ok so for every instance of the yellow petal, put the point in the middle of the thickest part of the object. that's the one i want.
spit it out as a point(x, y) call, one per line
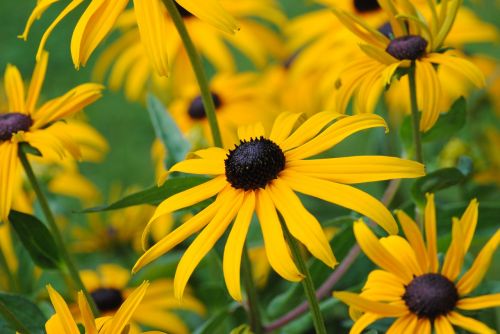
point(160, 319)
point(471, 279)
point(153, 27)
point(414, 237)
point(383, 286)
point(283, 126)
point(428, 94)
point(478, 303)
point(459, 65)
point(87, 316)
point(36, 83)
point(126, 311)
point(334, 134)
point(94, 24)
point(302, 225)
point(175, 237)
point(40, 8)
point(9, 176)
point(212, 153)
point(379, 254)
point(277, 250)
point(430, 233)
point(469, 324)
point(366, 305)
point(423, 326)
point(206, 240)
point(404, 324)
point(454, 258)
point(14, 89)
point(200, 166)
point(443, 326)
point(402, 251)
point(212, 12)
point(63, 312)
point(343, 195)
point(234, 246)
point(364, 321)
point(358, 169)
point(468, 223)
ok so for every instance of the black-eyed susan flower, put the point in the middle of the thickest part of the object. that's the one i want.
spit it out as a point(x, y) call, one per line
point(23, 121)
point(100, 16)
point(63, 322)
point(413, 287)
point(108, 286)
point(261, 174)
point(410, 39)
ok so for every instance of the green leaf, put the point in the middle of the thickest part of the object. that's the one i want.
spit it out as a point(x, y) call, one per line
point(19, 311)
point(449, 123)
point(168, 132)
point(215, 322)
point(36, 238)
point(406, 133)
point(28, 149)
point(432, 182)
point(153, 195)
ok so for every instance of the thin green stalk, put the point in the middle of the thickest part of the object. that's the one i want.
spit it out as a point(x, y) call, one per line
point(11, 318)
point(66, 257)
point(415, 116)
point(13, 286)
point(307, 283)
point(253, 301)
point(194, 58)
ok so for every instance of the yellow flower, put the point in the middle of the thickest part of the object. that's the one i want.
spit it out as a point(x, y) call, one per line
point(411, 39)
point(101, 15)
point(38, 126)
point(108, 287)
point(261, 174)
point(410, 286)
point(62, 322)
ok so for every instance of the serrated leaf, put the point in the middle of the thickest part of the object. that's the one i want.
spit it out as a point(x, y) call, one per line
point(36, 239)
point(167, 131)
point(437, 180)
point(153, 195)
point(448, 123)
point(20, 312)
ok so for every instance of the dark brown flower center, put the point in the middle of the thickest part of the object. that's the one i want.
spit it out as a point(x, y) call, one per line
point(196, 109)
point(409, 47)
point(430, 295)
point(107, 299)
point(366, 6)
point(13, 122)
point(184, 13)
point(253, 164)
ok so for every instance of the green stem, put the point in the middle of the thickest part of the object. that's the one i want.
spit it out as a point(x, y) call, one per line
point(11, 318)
point(194, 58)
point(253, 301)
point(415, 116)
point(307, 283)
point(66, 257)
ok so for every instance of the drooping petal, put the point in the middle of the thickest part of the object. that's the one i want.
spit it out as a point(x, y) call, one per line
point(9, 176)
point(366, 305)
point(153, 28)
point(428, 94)
point(212, 12)
point(302, 225)
point(126, 311)
point(307, 130)
point(206, 240)
point(14, 89)
point(430, 233)
point(471, 279)
point(343, 195)
point(455, 255)
point(469, 324)
point(459, 65)
point(40, 8)
point(358, 169)
point(443, 326)
point(94, 25)
point(378, 253)
point(414, 237)
point(175, 237)
point(334, 134)
point(36, 83)
point(234, 246)
point(277, 250)
point(63, 312)
point(481, 302)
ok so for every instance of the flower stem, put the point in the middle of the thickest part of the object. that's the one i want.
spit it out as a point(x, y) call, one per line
point(415, 116)
point(253, 300)
point(66, 257)
point(194, 58)
point(307, 283)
